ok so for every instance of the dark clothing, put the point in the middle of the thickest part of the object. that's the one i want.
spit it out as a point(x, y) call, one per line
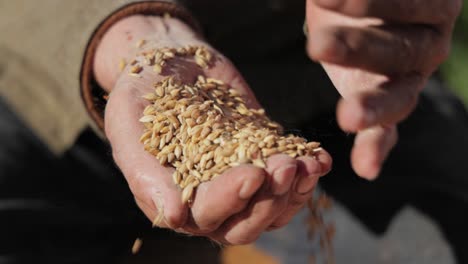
point(73, 209)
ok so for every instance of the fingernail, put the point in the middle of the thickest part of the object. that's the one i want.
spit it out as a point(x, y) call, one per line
point(247, 190)
point(328, 47)
point(306, 184)
point(283, 178)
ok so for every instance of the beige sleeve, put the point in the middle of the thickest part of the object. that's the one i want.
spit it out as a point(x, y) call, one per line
point(42, 45)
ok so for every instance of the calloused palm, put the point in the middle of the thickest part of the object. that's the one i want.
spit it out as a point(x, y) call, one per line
point(236, 207)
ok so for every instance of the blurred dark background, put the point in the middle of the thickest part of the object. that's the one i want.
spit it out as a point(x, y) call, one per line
point(455, 70)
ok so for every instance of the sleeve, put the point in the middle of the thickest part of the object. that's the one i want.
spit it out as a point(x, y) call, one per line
point(45, 52)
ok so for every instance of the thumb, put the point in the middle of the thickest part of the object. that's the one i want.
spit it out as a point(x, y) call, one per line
point(150, 182)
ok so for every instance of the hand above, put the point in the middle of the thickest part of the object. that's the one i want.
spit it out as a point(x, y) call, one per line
point(379, 55)
point(234, 208)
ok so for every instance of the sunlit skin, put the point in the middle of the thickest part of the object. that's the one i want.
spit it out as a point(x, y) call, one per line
point(236, 207)
point(378, 67)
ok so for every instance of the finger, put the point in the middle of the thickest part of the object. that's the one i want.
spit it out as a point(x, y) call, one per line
point(246, 227)
point(392, 51)
point(149, 181)
point(223, 197)
point(404, 11)
point(308, 173)
point(282, 170)
point(388, 103)
point(371, 148)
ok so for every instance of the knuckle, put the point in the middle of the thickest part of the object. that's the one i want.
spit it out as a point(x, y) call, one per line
point(353, 40)
point(330, 45)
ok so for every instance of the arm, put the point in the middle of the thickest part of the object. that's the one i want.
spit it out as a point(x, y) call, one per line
point(236, 207)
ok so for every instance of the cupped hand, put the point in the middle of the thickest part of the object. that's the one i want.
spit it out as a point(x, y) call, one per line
point(379, 55)
point(234, 208)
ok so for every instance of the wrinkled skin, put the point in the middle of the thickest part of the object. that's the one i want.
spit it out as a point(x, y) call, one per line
point(379, 54)
point(237, 206)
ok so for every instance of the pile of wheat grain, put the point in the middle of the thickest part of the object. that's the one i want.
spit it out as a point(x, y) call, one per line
point(203, 129)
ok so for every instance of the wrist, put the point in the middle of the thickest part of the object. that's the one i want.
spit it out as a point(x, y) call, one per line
point(132, 35)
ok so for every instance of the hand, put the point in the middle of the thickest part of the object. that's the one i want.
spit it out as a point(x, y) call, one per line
point(379, 55)
point(234, 208)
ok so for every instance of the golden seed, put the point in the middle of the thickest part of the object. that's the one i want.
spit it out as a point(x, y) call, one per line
point(170, 157)
point(136, 75)
point(268, 152)
point(162, 143)
point(197, 158)
point(176, 177)
point(269, 138)
point(317, 150)
point(157, 68)
point(150, 97)
point(159, 218)
point(163, 160)
point(136, 69)
point(197, 174)
point(146, 136)
point(168, 55)
point(209, 165)
point(137, 246)
point(189, 165)
point(188, 180)
point(140, 43)
point(147, 119)
point(160, 91)
point(122, 64)
point(259, 163)
point(164, 130)
point(187, 193)
point(312, 145)
point(178, 152)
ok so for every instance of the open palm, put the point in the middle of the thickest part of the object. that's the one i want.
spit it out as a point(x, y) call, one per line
point(234, 208)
